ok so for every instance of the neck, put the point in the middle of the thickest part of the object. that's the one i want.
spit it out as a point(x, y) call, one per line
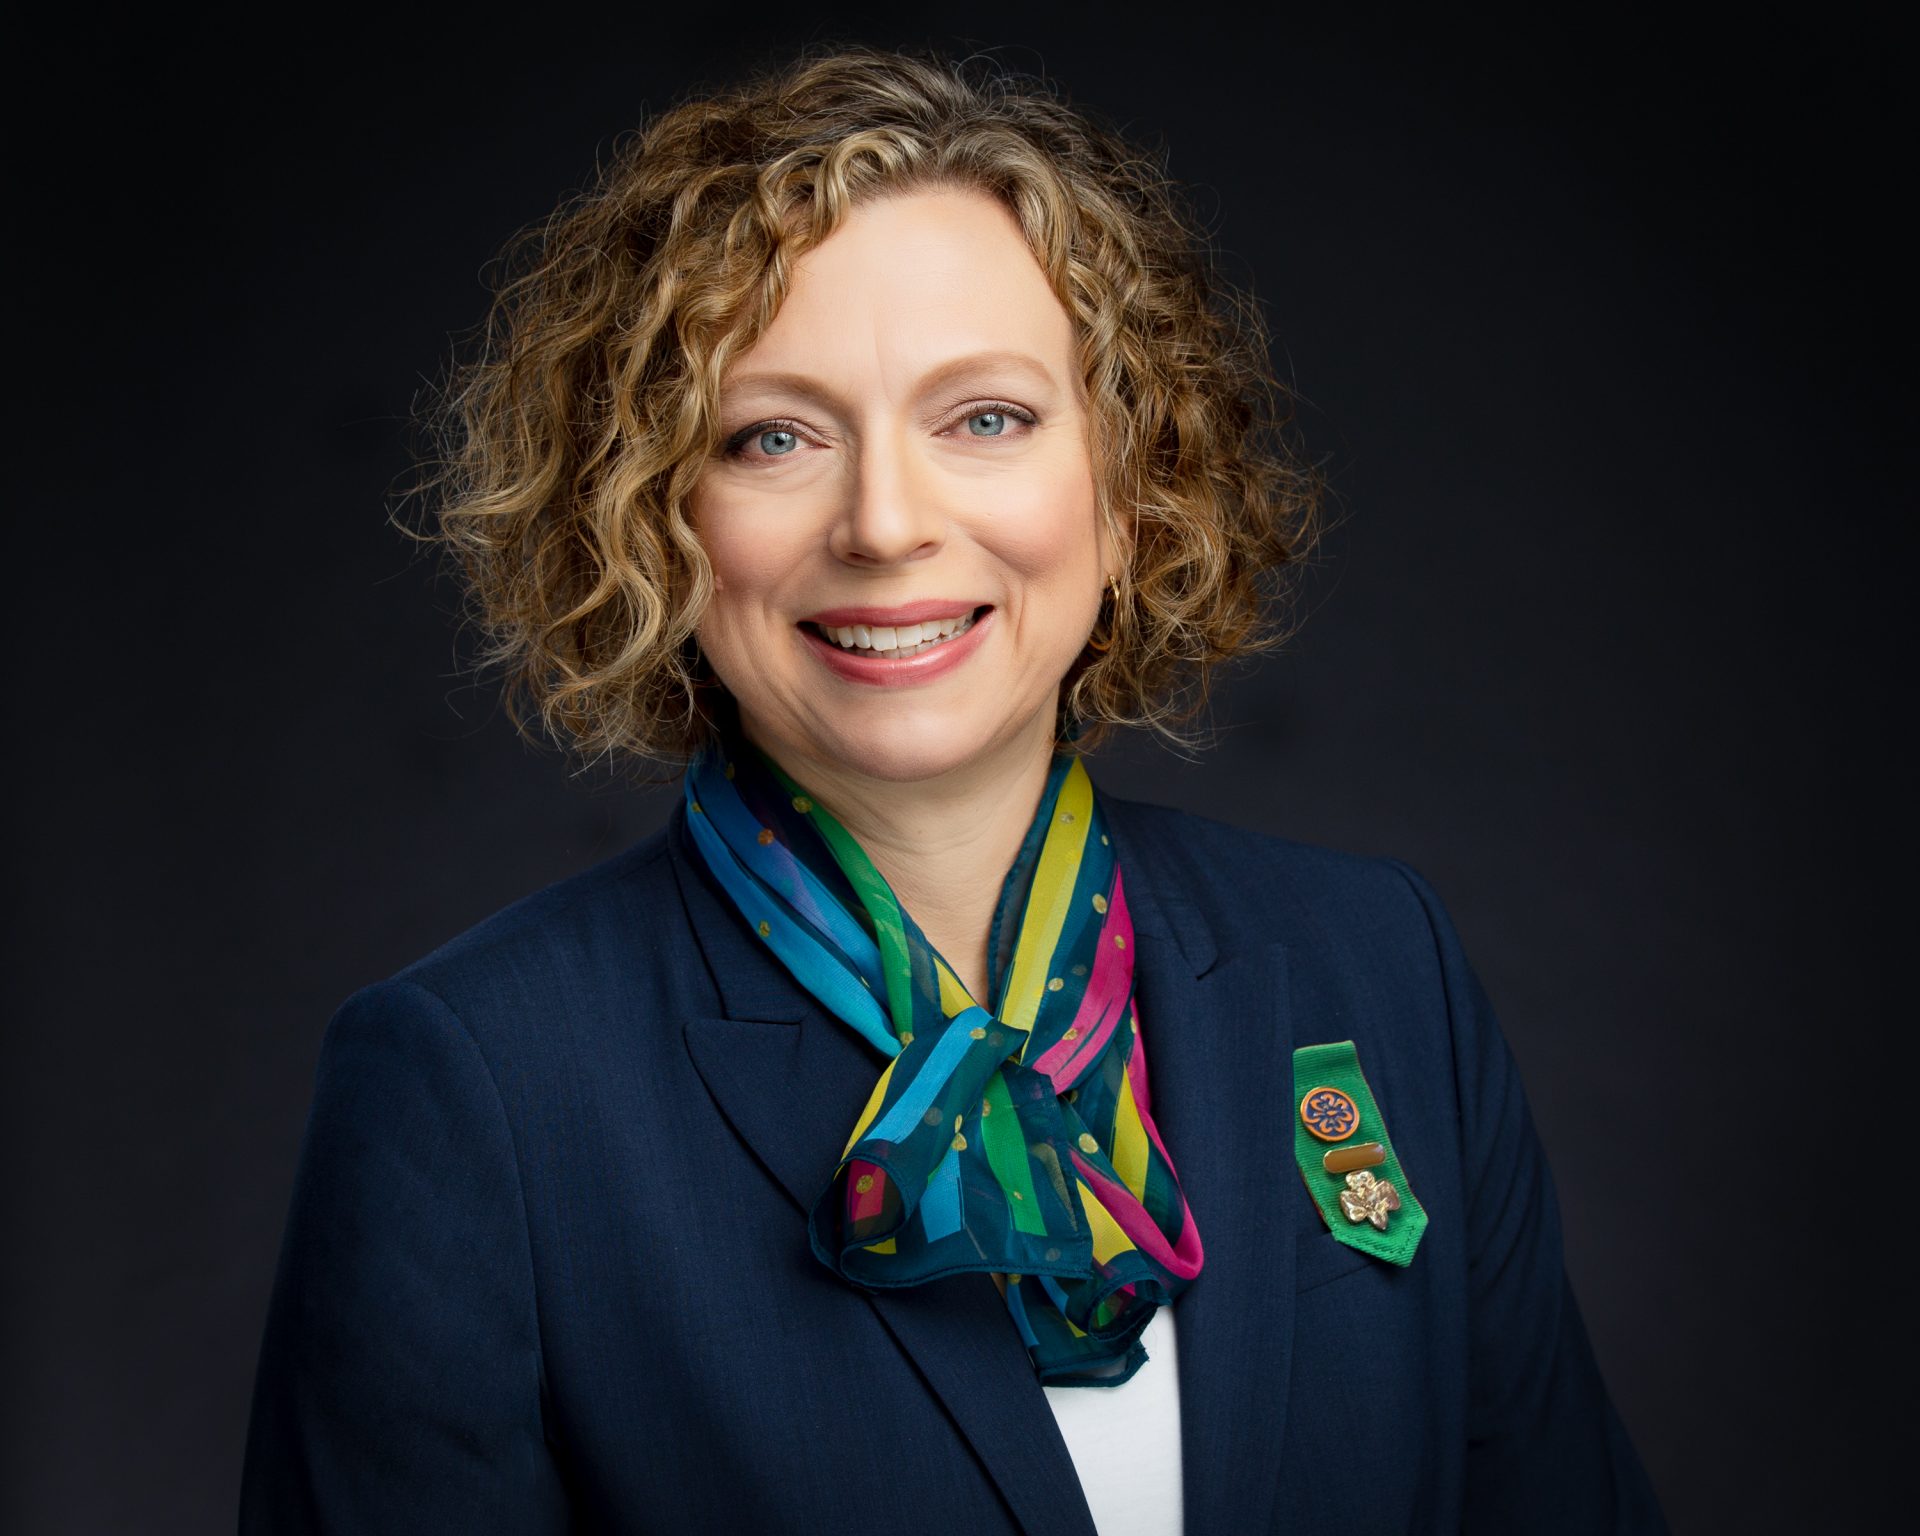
point(943, 844)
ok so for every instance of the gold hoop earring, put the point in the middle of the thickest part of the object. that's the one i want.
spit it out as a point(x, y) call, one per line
point(1113, 590)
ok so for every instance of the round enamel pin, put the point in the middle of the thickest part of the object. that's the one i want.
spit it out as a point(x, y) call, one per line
point(1328, 1114)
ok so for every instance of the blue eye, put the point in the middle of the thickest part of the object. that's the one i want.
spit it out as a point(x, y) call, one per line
point(987, 423)
point(776, 441)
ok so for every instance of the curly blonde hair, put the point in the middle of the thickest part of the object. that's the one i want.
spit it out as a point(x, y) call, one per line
point(569, 445)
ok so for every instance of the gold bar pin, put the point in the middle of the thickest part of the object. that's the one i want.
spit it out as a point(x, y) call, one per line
point(1362, 1154)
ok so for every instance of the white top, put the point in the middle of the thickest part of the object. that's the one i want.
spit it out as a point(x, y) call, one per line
point(1125, 1440)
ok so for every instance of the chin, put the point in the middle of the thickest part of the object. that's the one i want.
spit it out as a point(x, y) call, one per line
point(901, 742)
point(902, 750)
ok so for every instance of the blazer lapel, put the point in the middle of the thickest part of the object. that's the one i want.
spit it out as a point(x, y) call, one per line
point(791, 1080)
point(1217, 1045)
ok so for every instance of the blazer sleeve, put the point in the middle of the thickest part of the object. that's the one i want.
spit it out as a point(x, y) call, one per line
point(399, 1380)
point(1546, 1450)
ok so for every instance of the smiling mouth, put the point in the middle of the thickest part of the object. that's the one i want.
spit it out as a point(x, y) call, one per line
point(895, 642)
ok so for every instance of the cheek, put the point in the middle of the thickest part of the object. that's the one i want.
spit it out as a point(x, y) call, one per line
point(1048, 530)
point(747, 554)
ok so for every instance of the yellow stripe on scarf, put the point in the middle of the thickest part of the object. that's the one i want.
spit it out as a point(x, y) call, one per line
point(1130, 1144)
point(954, 997)
point(1107, 1237)
point(1050, 900)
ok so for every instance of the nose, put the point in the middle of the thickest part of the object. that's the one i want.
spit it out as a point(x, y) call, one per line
point(891, 512)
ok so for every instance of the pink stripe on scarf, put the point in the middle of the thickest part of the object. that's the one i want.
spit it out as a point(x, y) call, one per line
point(1137, 1076)
point(1104, 1001)
point(862, 1207)
point(1183, 1261)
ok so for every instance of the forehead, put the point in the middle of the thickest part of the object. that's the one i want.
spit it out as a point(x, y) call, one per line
point(908, 282)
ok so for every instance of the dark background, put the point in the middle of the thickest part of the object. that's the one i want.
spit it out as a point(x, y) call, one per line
point(1594, 329)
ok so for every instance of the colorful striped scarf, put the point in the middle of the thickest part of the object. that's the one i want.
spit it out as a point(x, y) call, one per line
point(1016, 1139)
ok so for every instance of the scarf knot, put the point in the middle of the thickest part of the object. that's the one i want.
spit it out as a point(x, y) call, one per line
point(1016, 1138)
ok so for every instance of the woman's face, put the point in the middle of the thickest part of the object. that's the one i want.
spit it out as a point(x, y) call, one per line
point(905, 446)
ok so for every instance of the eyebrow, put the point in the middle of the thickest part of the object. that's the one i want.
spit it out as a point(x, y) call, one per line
point(947, 373)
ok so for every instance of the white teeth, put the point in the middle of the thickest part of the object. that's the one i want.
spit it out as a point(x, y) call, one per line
point(899, 640)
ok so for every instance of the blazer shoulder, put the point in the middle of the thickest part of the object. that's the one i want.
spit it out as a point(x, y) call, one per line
point(1208, 853)
point(1342, 913)
point(557, 929)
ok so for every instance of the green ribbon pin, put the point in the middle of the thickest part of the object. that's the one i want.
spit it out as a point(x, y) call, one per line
point(1371, 1208)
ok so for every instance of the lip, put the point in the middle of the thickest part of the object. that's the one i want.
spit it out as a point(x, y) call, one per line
point(903, 672)
point(907, 613)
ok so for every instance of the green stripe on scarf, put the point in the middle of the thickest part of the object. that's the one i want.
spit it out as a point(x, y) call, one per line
point(967, 1156)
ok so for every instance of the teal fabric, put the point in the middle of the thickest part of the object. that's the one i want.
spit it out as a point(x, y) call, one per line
point(1008, 1133)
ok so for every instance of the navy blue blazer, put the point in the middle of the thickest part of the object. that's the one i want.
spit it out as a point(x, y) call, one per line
point(546, 1267)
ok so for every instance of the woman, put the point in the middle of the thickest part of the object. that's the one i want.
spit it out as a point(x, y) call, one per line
point(873, 438)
